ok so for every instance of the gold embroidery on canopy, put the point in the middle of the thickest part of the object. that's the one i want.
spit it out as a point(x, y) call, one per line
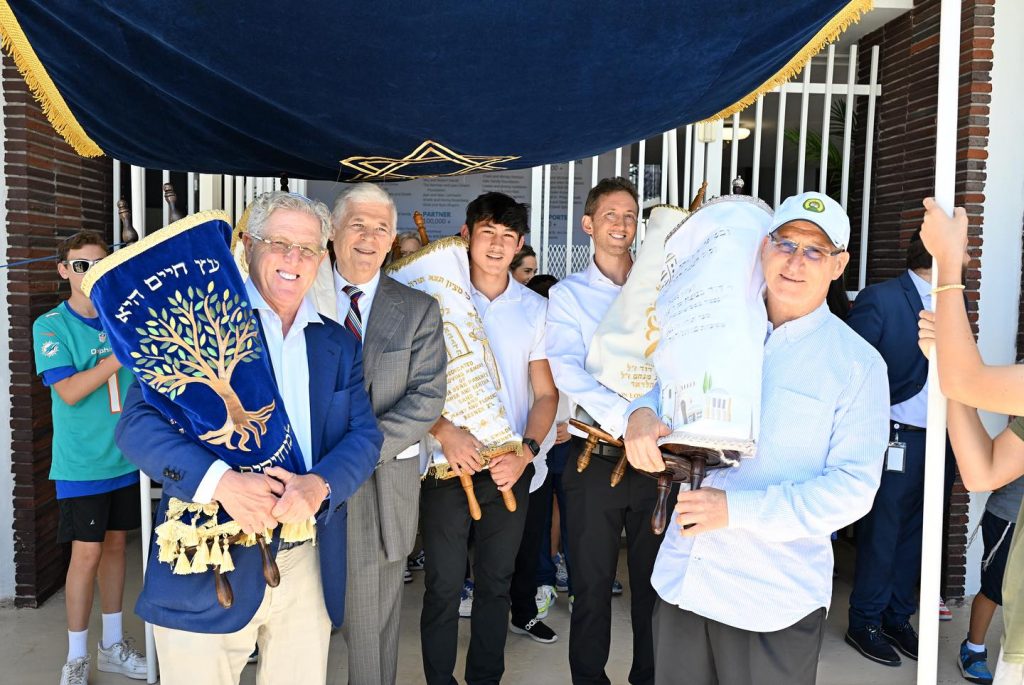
point(428, 152)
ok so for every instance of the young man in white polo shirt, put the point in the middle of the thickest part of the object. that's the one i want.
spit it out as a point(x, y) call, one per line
point(513, 319)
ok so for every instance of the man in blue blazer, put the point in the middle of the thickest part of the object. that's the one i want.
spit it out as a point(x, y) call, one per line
point(318, 369)
point(888, 566)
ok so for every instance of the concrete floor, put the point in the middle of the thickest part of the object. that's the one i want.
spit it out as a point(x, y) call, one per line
point(33, 644)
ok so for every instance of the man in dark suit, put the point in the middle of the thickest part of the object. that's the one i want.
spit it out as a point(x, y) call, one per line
point(318, 369)
point(404, 372)
point(888, 566)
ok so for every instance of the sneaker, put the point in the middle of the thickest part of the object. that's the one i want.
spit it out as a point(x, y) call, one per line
point(616, 588)
point(869, 642)
point(572, 599)
point(545, 600)
point(121, 657)
point(944, 613)
point(974, 665)
point(407, 578)
point(561, 573)
point(536, 629)
point(254, 657)
point(466, 600)
point(903, 637)
point(416, 563)
point(75, 672)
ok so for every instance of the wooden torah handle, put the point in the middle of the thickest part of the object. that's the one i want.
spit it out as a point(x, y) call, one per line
point(583, 460)
point(421, 228)
point(510, 500)
point(270, 571)
point(659, 517)
point(225, 595)
point(474, 506)
point(619, 472)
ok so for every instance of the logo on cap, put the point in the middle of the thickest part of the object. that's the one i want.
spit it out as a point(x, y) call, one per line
point(813, 204)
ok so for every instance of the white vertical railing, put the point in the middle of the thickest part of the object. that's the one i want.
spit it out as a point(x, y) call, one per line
point(536, 210)
point(826, 119)
point(688, 164)
point(191, 204)
point(862, 272)
point(851, 75)
point(663, 191)
point(116, 195)
point(165, 211)
point(734, 150)
point(780, 137)
point(758, 114)
point(673, 168)
point(546, 219)
point(801, 157)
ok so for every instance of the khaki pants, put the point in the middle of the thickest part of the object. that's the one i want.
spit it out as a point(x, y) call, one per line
point(291, 627)
point(1007, 673)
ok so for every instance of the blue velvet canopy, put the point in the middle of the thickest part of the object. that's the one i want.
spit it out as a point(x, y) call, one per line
point(331, 89)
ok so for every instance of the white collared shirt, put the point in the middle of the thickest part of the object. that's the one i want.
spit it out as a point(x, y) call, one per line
point(365, 302)
point(291, 372)
point(576, 306)
point(514, 324)
point(914, 411)
point(824, 430)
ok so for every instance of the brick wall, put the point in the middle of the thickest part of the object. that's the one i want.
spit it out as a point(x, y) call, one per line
point(52, 193)
point(904, 163)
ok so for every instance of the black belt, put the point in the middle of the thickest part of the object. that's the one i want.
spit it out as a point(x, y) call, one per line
point(602, 449)
point(285, 546)
point(896, 426)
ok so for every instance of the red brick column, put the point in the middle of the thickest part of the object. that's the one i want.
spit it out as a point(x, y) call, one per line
point(904, 164)
point(51, 193)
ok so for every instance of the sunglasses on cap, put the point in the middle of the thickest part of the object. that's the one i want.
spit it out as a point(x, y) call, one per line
point(80, 266)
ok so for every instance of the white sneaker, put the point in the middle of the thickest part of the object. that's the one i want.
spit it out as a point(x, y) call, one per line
point(466, 600)
point(121, 657)
point(545, 599)
point(75, 672)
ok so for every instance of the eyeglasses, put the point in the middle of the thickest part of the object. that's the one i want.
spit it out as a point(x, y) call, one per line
point(279, 246)
point(80, 266)
point(812, 253)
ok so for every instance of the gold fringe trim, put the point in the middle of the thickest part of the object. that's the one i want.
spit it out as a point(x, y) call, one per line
point(166, 233)
point(443, 471)
point(203, 544)
point(14, 41)
point(440, 244)
point(832, 29)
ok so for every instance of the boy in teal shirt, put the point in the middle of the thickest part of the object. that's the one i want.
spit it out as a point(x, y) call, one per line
point(97, 489)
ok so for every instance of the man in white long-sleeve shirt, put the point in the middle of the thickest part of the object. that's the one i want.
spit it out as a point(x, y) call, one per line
point(596, 513)
point(743, 593)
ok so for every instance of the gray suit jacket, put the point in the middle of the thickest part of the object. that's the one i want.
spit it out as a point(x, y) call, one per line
point(404, 364)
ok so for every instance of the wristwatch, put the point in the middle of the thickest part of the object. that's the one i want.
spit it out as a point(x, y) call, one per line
point(532, 444)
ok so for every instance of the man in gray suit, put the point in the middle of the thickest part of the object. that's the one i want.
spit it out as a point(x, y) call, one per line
point(404, 371)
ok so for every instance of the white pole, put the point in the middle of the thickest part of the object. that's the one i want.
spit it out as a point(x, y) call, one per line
point(593, 171)
point(229, 195)
point(734, 152)
point(780, 137)
point(240, 198)
point(115, 190)
point(536, 180)
point(569, 192)
point(801, 160)
point(758, 112)
point(250, 189)
point(663, 195)
point(851, 74)
point(687, 164)
point(862, 275)
point(673, 168)
point(826, 118)
point(545, 221)
point(138, 195)
point(618, 161)
point(935, 439)
point(165, 211)
point(641, 192)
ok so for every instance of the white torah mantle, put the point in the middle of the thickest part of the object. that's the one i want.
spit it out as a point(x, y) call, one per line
point(441, 269)
point(713, 323)
point(624, 342)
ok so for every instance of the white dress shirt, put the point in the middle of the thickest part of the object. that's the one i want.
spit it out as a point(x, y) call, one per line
point(824, 431)
point(514, 324)
point(291, 371)
point(576, 306)
point(914, 412)
point(365, 301)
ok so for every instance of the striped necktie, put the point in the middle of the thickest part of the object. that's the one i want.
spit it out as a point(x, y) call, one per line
point(354, 321)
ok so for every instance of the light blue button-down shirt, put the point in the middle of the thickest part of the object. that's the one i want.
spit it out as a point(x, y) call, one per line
point(824, 431)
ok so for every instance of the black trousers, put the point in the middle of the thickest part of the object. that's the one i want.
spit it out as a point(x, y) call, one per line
point(524, 580)
point(693, 650)
point(596, 515)
point(445, 526)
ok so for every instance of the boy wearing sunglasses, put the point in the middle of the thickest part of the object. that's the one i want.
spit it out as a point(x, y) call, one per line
point(97, 489)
